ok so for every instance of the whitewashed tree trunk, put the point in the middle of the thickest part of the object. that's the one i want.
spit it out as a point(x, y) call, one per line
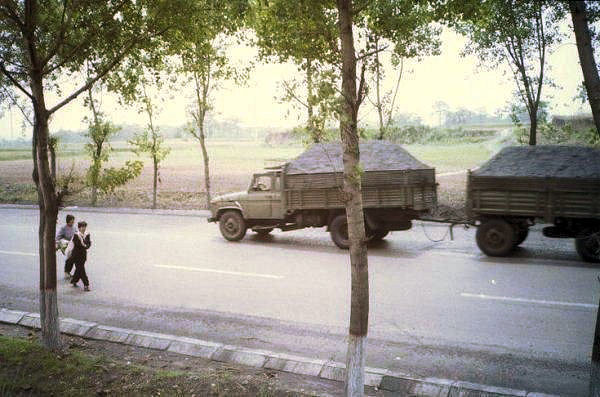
point(359, 311)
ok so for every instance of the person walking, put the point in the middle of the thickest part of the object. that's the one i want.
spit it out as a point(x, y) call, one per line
point(81, 243)
point(63, 236)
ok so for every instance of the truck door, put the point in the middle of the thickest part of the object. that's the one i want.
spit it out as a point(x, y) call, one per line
point(261, 196)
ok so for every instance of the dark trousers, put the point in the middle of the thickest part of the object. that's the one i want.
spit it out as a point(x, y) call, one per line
point(69, 264)
point(80, 274)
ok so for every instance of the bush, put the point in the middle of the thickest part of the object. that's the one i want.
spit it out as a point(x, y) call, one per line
point(551, 134)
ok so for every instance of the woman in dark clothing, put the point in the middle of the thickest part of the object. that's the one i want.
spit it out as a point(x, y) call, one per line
point(81, 243)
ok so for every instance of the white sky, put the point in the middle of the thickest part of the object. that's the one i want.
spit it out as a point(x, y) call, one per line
point(449, 77)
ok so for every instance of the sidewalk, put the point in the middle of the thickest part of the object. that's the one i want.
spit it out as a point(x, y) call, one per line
point(381, 379)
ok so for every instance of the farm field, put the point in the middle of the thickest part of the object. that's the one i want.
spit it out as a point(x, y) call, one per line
point(232, 164)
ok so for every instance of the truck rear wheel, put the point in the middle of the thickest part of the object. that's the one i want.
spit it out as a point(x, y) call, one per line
point(379, 234)
point(495, 237)
point(521, 234)
point(232, 226)
point(588, 246)
point(339, 231)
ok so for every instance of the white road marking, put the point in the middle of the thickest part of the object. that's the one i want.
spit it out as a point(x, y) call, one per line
point(540, 302)
point(17, 253)
point(196, 269)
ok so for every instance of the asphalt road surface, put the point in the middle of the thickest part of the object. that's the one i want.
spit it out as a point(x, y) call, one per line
point(437, 309)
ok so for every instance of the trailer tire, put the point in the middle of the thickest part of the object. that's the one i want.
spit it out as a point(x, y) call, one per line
point(495, 237)
point(588, 246)
point(232, 226)
point(339, 231)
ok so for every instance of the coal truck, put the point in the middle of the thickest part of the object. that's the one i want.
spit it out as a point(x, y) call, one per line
point(307, 192)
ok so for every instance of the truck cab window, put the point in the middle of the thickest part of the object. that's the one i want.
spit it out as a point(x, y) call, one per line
point(262, 183)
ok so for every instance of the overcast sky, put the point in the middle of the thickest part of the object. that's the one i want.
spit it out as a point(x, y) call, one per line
point(449, 77)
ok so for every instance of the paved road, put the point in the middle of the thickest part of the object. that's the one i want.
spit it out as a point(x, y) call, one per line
point(437, 309)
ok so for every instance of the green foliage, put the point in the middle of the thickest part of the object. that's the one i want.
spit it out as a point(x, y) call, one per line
point(307, 33)
point(550, 134)
point(421, 134)
point(151, 142)
point(518, 33)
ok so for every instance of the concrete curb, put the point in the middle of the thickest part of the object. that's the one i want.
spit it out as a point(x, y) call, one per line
point(389, 382)
point(117, 210)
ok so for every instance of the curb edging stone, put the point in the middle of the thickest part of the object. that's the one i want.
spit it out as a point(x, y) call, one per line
point(389, 382)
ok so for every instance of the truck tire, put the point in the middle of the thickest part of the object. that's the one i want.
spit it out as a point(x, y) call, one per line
point(495, 237)
point(232, 226)
point(588, 247)
point(379, 234)
point(339, 231)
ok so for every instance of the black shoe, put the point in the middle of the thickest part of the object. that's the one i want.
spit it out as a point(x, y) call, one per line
point(74, 285)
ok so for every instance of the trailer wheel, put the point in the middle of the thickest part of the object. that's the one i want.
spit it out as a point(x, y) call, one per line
point(379, 234)
point(232, 226)
point(588, 247)
point(495, 237)
point(339, 231)
point(521, 234)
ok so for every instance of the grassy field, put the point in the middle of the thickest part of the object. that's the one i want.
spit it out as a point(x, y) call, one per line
point(181, 174)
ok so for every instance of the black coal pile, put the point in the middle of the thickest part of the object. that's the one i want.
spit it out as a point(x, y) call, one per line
point(543, 161)
point(374, 156)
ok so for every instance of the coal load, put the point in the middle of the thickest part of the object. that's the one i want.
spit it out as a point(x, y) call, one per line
point(392, 178)
point(572, 162)
point(374, 156)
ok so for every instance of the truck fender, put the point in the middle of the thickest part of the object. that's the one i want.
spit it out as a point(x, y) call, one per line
point(236, 207)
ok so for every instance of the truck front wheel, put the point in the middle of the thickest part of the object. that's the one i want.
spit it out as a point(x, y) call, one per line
point(232, 226)
point(588, 246)
point(339, 231)
point(495, 237)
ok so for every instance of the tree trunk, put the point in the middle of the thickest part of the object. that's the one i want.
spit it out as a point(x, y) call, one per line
point(359, 306)
point(52, 150)
point(533, 128)
point(309, 103)
point(378, 88)
point(48, 204)
point(595, 367)
point(205, 158)
point(154, 182)
point(586, 58)
point(94, 195)
point(202, 91)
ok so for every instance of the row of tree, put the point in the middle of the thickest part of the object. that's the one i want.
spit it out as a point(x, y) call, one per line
point(126, 45)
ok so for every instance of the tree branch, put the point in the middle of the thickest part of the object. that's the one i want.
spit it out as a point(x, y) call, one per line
point(291, 93)
point(91, 82)
point(14, 81)
point(361, 88)
point(16, 103)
